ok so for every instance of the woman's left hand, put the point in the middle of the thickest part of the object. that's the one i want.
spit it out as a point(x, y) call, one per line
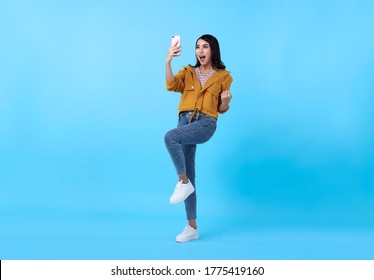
point(226, 96)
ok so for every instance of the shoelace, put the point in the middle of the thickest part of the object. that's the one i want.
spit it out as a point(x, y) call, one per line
point(186, 229)
point(178, 186)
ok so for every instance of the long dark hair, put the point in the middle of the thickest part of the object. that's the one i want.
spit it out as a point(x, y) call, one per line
point(216, 54)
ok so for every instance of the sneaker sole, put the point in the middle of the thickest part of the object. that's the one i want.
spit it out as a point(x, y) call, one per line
point(184, 241)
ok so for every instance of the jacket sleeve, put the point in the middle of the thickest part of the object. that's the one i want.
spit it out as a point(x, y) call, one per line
point(178, 83)
point(227, 83)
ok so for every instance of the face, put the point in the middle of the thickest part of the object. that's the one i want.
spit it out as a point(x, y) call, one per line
point(203, 52)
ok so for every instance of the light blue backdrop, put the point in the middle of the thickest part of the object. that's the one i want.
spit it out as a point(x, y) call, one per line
point(83, 109)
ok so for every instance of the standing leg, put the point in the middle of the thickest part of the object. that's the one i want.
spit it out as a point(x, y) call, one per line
point(189, 152)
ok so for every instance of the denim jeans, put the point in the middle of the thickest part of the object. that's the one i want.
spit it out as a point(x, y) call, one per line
point(181, 144)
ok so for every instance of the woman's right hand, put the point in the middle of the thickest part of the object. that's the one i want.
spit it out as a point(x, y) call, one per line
point(174, 50)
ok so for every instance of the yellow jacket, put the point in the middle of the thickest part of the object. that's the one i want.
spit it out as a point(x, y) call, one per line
point(195, 98)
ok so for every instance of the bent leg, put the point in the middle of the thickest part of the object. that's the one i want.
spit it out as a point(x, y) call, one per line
point(194, 133)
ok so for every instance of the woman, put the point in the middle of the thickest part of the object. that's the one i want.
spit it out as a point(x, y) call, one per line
point(205, 93)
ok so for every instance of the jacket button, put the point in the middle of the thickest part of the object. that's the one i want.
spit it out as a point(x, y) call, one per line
point(192, 87)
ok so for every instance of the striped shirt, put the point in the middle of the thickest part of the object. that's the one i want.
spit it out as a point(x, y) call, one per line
point(203, 77)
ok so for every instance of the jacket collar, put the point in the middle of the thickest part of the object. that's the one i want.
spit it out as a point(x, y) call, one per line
point(221, 73)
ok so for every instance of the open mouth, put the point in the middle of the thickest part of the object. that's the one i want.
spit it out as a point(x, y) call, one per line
point(202, 58)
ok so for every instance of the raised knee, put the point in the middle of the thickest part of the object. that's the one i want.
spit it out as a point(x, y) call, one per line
point(168, 137)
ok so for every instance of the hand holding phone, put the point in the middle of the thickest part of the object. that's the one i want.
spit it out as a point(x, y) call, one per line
point(176, 43)
point(176, 40)
point(174, 49)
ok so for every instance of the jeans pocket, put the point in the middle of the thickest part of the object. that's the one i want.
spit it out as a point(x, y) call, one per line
point(212, 121)
point(211, 127)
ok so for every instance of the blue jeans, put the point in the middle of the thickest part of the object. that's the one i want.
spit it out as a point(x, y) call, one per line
point(181, 145)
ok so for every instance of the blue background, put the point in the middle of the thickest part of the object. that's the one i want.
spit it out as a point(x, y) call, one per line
point(84, 173)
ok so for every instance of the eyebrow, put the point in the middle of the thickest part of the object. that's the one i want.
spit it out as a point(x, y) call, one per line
point(197, 45)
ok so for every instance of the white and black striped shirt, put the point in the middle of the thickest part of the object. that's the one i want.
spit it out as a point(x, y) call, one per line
point(203, 77)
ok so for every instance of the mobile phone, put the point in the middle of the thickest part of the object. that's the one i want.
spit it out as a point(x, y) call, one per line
point(175, 39)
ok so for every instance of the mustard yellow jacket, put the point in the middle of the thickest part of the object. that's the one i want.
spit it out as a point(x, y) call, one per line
point(195, 98)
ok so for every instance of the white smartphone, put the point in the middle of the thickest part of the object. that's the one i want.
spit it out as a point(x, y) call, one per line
point(175, 39)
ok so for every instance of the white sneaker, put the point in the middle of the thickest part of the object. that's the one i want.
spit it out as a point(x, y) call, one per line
point(181, 192)
point(188, 234)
